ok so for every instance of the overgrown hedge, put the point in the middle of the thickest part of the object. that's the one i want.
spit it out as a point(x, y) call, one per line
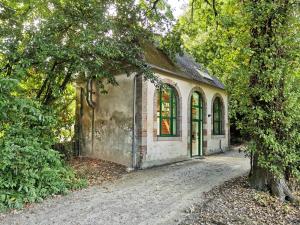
point(30, 169)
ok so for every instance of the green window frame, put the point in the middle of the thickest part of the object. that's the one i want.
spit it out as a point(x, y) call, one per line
point(217, 116)
point(167, 112)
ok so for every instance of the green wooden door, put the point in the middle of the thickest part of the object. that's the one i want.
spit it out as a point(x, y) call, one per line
point(196, 125)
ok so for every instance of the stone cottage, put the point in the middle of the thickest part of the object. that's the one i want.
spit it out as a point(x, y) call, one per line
point(139, 126)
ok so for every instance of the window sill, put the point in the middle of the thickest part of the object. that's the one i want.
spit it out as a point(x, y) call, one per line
point(217, 136)
point(161, 138)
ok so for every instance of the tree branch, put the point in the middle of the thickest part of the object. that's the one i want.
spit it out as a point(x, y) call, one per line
point(192, 10)
point(212, 4)
point(67, 78)
point(154, 5)
point(46, 81)
point(214, 8)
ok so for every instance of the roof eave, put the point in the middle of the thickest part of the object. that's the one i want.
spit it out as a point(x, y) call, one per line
point(183, 75)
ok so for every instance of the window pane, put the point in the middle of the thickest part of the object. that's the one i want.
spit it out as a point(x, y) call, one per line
point(174, 106)
point(201, 113)
point(200, 101)
point(165, 94)
point(195, 113)
point(165, 109)
point(216, 127)
point(158, 125)
point(167, 112)
point(166, 99)
point(216, 116)
point(221, 114)
point(174, 126)
point(195, 99)
point(165, 126)
point(215, 108)
point(195, 138)
point(158, 103)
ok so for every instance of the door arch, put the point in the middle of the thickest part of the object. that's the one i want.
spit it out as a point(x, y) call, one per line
point(196, 129)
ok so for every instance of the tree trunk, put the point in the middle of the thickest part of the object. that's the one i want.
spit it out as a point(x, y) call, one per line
point(263, 180)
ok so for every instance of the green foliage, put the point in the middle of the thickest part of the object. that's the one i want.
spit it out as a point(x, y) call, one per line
point(45, 46)
point(253, 47)
point(273, 78)
point(48, 45)
point(30, 169)
point(171, 43)
point(61, 41)
point(218, 42)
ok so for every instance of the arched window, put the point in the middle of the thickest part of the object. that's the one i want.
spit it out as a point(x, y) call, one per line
point(217, 116)
point(167, 111)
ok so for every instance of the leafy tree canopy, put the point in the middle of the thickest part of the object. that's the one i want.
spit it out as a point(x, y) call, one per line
point(54, 42)
point(44, 47)
point(253, 46)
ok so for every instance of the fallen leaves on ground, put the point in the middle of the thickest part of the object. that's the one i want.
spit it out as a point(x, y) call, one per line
point(235, 203)
point(97, 171)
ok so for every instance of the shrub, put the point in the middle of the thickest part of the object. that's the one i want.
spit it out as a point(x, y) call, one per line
point(30, 169)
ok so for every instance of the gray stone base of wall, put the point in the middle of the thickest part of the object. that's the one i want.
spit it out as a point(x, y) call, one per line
point(216, 151)
point(153, 163)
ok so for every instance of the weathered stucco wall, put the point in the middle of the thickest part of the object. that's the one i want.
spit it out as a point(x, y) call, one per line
point(111, 136)
point(168, 149)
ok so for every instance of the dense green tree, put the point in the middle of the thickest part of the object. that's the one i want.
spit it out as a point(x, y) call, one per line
point(44, 47)
point(59, 41)
point(253, 46)
point(47, 45)
point(30, 169)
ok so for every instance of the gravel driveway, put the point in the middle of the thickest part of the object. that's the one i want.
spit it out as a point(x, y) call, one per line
point(154, 196)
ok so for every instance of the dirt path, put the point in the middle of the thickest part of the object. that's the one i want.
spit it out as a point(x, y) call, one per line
point(154, 196)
